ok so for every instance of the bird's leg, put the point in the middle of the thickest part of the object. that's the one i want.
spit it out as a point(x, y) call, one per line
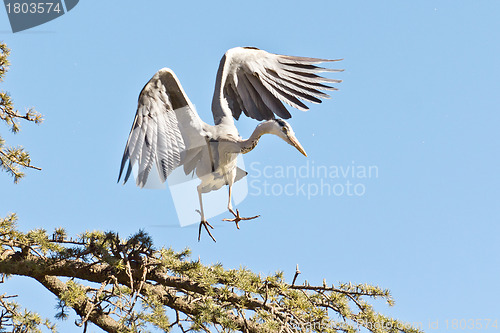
point(229, 203)
point(237, 217)
point(203, 222)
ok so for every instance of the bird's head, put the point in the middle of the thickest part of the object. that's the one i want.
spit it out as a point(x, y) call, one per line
point(283, 129)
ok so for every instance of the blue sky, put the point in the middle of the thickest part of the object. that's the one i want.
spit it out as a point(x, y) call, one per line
point(419, 102)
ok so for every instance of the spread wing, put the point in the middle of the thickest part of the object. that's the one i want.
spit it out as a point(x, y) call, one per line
point(257, 83)
point(167, 131)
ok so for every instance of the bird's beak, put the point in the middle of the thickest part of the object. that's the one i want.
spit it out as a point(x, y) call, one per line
point(297, 145)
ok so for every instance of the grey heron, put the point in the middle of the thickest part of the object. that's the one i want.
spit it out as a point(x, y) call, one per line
point(168, 133)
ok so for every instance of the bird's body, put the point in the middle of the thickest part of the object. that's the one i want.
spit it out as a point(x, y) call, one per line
point(168, 133)
point(218, 166)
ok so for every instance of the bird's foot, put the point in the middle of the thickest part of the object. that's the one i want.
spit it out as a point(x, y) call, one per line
point(206, 225)
point(237, 218)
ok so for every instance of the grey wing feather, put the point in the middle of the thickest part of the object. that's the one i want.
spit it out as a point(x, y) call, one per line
point(165, 127)
point(257, 83)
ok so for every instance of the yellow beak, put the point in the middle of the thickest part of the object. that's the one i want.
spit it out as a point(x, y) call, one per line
point(297, 145)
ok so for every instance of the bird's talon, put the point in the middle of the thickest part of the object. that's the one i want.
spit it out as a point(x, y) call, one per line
point(206, 225)
point(237, 218)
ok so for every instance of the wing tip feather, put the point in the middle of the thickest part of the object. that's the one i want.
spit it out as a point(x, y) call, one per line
point(248, 60)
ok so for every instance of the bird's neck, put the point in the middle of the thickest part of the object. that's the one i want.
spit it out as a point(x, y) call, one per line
point(250, 143)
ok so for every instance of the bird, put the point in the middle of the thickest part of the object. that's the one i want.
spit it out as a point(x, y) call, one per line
point(167, 132)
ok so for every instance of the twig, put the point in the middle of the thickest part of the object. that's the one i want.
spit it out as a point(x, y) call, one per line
point(297, 272)
point(18, 163)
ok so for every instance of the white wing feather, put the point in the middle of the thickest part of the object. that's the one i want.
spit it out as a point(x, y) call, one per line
point(165, 128)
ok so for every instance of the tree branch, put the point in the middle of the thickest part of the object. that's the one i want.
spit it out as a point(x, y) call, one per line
point(83, 307)
point(210, 297)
